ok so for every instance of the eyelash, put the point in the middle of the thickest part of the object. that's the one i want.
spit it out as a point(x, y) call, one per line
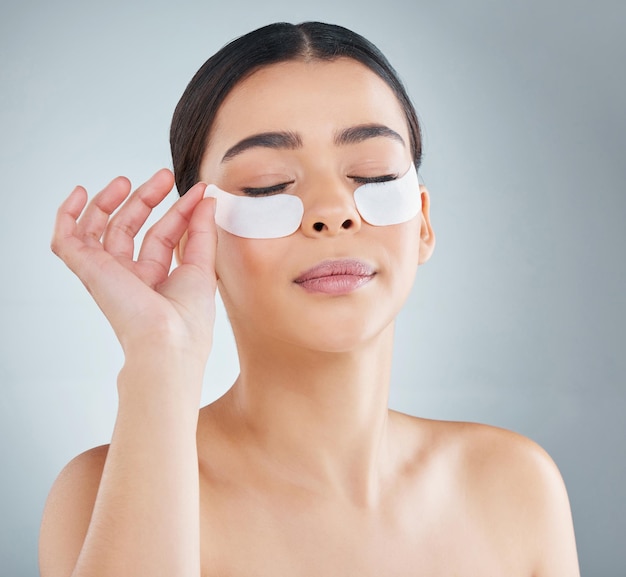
point(277, 188)
point(371, 179)
point(267, 190)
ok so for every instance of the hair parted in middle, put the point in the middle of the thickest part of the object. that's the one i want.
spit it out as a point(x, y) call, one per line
point(195, 113)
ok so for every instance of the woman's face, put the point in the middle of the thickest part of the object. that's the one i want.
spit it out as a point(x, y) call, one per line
point(312, 109)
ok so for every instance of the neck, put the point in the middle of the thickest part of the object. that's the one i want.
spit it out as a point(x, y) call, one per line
point(319, 417)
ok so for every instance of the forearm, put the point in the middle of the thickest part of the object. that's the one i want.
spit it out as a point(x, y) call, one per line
point(144, 518)
point(146, 514)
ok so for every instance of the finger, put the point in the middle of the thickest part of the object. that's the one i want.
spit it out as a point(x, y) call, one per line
point(92, 223)
point(161, 240)
point(202, 237)
point(80, 256)
point(193, 283)
point(125, 224)
point(64, 232)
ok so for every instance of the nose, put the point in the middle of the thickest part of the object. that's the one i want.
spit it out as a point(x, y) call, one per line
point(329, 210)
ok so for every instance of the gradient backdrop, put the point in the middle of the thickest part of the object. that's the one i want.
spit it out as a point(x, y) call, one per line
point(518, 320)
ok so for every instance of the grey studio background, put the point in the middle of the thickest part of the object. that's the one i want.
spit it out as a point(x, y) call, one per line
point(518, 320)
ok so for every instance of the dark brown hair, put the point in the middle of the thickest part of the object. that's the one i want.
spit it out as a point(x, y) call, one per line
point(196, 110)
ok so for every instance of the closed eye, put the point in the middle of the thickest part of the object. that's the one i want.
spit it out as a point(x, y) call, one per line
point(267, 190)
point(371, 179)
point(278, 188)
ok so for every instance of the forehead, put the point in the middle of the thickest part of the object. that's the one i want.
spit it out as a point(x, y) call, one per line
point(313, 98)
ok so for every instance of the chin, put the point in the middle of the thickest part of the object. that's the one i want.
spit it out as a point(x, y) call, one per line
point(350, 338)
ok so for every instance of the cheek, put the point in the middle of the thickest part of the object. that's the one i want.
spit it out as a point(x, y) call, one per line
point(403, 243)
point(244, 263)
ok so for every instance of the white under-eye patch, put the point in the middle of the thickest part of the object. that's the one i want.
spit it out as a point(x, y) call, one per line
point(256, 216)
point(278, 215)
point(390, 202)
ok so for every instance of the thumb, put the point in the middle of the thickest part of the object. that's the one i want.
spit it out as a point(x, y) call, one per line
point(201, 242)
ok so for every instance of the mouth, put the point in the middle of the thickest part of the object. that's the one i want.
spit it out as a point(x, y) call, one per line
point(336, 277)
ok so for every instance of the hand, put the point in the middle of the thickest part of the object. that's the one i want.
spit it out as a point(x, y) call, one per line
point(145, 303)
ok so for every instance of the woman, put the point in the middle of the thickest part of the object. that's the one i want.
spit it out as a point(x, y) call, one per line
point(300, 469)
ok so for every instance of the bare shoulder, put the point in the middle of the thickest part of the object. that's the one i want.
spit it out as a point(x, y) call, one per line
point(496, 456)
point(490, 457)
point(509, 485)
point(68, 511)
point(520, 487)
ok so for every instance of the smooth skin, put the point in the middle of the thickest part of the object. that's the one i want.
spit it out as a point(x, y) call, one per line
point(300, 469)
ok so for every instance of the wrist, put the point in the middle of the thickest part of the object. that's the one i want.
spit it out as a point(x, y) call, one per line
point(161, 349)
point(170, 375)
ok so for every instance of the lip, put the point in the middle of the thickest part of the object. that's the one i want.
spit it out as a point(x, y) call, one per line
point(336, 277)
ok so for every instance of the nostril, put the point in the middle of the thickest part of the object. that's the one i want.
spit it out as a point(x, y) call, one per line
point(320, 226)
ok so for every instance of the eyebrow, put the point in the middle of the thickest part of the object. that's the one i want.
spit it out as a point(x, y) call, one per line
point(292, 140)
point(289, 140)
point(356, 134)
